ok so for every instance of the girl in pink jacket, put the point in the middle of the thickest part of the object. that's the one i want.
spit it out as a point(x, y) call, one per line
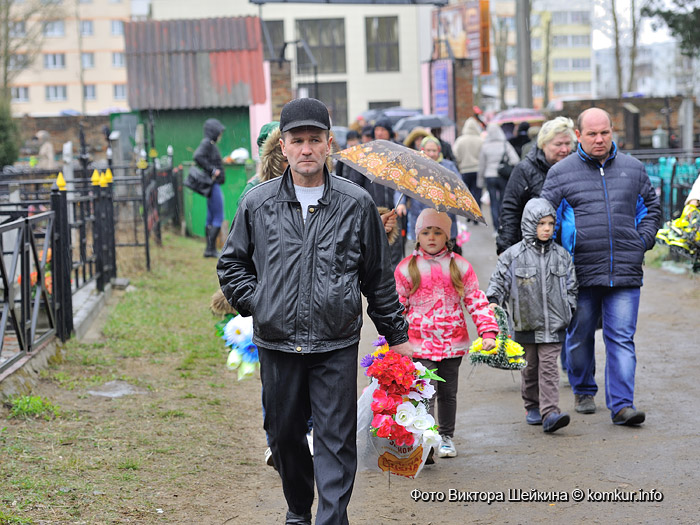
point(433, 284)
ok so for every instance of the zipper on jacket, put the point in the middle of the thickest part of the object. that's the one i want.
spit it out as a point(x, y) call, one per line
point(545, 305)
point(607, 209)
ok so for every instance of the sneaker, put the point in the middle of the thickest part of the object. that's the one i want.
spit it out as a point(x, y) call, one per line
point(430, 460)
point(310, 439)
point(268, 458)
point(554, 421)
point(584, 404)
point(447, 449)
point(629, 416)
point(533, 417)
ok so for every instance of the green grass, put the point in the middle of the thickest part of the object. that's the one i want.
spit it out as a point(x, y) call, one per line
point(32, 407)
point(89, 465)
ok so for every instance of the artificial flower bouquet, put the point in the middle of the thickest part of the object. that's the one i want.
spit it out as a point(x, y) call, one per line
point(237, 332)
point(395, 432)
point(508, 355)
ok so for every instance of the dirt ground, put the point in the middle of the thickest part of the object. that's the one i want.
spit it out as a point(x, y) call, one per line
point(200, 444)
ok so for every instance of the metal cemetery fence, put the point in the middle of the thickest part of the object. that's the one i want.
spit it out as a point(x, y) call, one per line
point(57, 237)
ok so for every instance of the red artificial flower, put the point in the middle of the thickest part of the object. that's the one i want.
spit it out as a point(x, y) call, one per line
point(383, 424)
point(401, 436)
point(385, 403)
point(394, 372)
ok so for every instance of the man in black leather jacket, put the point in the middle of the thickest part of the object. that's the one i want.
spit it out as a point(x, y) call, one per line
point(301, 250)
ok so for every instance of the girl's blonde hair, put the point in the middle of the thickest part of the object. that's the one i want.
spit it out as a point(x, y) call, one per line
point(455, 275)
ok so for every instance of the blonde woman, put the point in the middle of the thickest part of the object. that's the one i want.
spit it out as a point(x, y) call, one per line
point(555, 141)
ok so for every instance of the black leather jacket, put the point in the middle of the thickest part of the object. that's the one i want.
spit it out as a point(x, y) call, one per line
point(525, 183)
point(301, 281)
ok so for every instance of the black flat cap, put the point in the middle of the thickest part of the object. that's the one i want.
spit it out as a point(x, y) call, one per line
point(304, 112)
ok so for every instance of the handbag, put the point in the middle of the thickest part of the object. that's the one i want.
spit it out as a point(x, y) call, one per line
point(505, 168)
point(198, 181)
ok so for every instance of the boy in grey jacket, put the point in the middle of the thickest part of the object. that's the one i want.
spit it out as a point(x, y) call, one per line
point(536, 279)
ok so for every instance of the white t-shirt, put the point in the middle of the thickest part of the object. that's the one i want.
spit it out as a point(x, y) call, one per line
point(308, 197)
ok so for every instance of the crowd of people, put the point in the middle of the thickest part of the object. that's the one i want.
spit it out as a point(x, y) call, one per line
point(576, 219)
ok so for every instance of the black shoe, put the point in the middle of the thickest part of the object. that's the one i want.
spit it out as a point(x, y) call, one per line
point(430, 460)
point(584, 404)
point(554, 421)
point(629, 416)
point(212, 233)
point(298, 519)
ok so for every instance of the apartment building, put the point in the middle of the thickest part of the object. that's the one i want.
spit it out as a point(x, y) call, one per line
point(367, 56)
point(567, 47)
point(81, 66)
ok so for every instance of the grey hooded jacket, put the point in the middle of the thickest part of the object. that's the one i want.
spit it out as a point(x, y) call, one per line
point(301, 281)
point(537, 282)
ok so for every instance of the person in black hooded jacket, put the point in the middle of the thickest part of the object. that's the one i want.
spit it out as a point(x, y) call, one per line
point(554, 143)
point(208, 157)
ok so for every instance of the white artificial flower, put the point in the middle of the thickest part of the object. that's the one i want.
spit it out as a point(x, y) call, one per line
point(405, 414)
point(238, 330)
point(424, 389)
point(421, 423)
point(431, 438)
point(420, 368)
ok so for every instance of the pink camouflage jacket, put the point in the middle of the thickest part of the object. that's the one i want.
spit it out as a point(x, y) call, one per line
point(437, 328)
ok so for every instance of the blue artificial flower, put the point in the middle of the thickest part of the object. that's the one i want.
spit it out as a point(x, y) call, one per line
point(381, 341)
point(367, 360)
point(249, 353)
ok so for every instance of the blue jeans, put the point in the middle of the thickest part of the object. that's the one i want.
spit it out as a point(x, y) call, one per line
point(619, 308)
point(215, 207)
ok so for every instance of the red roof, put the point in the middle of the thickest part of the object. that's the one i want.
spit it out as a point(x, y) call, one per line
point(188, 64)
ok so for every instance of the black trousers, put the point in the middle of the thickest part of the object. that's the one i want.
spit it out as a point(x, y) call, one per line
point(324, 385)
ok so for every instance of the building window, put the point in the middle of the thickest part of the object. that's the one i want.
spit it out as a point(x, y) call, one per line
point(56, 93)
point(54, 60)
point(49, 2)
point(580, 17)
point(568, 88)
point(511, 81)
point(536, 67)
point(117, 28)
point(560, 41)
point(119, 91)
point(88, 60)
point(580, 40)
point(382, 43)
point(89, 92)
point(118, 59)
point(561, 64)
point(86, 28)
point(536, 43)
point(326, 40)
point(55, 28)
point(384, 104)
point(18, 29)
point(20, 94)
point(273, 38)
point(537, 90)
point(334, 94)
point(580, 63)
point(17, 62)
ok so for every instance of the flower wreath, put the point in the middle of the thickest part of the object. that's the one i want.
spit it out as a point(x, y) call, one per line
point(508, 355)
point(400, 401)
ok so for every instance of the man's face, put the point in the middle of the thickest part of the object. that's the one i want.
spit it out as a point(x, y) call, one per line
point(381, 133)
point(595, 134)
point(306, 150)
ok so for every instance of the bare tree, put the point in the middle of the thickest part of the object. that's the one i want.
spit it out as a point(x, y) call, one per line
point(499, 36)
point(625, 35)
point(547, 53)
point(22, 36)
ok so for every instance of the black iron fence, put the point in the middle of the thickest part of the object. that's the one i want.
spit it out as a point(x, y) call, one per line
point(58, 236)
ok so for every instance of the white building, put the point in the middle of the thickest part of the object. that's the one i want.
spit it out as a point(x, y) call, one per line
point(369, 56)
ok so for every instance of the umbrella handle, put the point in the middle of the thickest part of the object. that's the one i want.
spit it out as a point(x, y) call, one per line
point(399, 201)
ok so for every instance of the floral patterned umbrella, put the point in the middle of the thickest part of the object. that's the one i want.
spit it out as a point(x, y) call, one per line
point(414, 174)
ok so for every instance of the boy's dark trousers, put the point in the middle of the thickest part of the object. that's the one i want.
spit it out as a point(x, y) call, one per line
point(540, 378)
point(296, 386)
